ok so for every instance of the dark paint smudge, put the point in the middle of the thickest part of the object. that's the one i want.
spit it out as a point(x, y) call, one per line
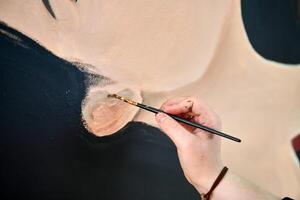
point(49, 8)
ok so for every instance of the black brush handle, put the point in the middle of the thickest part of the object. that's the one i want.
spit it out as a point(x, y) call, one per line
point(155, 110)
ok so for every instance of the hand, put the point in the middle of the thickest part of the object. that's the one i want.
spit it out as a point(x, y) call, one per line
point(198, 150)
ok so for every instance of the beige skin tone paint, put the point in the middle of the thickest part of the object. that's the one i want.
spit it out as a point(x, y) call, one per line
point(155, 50)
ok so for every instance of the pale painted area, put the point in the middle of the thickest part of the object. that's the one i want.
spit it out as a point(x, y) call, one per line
point(162, 49)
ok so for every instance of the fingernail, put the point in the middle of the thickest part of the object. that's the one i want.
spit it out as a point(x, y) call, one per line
point(161, 117)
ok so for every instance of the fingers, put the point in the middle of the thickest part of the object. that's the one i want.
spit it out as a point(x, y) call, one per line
point(200, 106)
point(196, 110)
point(187, 105)
point(178, 134)
point(209, 119)
point(183, 106)
point(172, 101)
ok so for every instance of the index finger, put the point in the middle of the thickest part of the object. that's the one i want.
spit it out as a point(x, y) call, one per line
point(182, 107)
point(193, 105)
point(172, 101)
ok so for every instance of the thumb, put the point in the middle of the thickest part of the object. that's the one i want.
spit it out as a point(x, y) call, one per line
point(177, 133)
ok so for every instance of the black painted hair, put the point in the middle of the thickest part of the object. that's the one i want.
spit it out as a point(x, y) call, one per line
point(49, 8)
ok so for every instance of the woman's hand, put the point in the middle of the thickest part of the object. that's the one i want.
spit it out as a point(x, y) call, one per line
point(198, 150)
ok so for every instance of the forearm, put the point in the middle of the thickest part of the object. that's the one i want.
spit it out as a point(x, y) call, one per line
point(233, 187)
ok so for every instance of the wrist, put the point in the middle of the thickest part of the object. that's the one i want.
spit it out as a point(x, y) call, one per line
point(204, 185)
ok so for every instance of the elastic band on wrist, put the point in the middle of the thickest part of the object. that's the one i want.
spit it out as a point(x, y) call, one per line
point(215, 184)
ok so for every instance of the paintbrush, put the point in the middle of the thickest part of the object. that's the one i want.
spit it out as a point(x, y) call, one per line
point(177, 118)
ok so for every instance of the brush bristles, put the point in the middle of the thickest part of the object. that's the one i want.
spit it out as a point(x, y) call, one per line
point(122, 99)
point(111, 95)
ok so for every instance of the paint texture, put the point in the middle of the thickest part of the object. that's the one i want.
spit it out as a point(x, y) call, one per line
point(47, 153)
point(158, 50)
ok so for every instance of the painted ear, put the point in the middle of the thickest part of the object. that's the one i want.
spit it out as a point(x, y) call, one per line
point(104, 115)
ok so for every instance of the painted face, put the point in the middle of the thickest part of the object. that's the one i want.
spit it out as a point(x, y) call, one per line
point(154, 46)
point(161, 45)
